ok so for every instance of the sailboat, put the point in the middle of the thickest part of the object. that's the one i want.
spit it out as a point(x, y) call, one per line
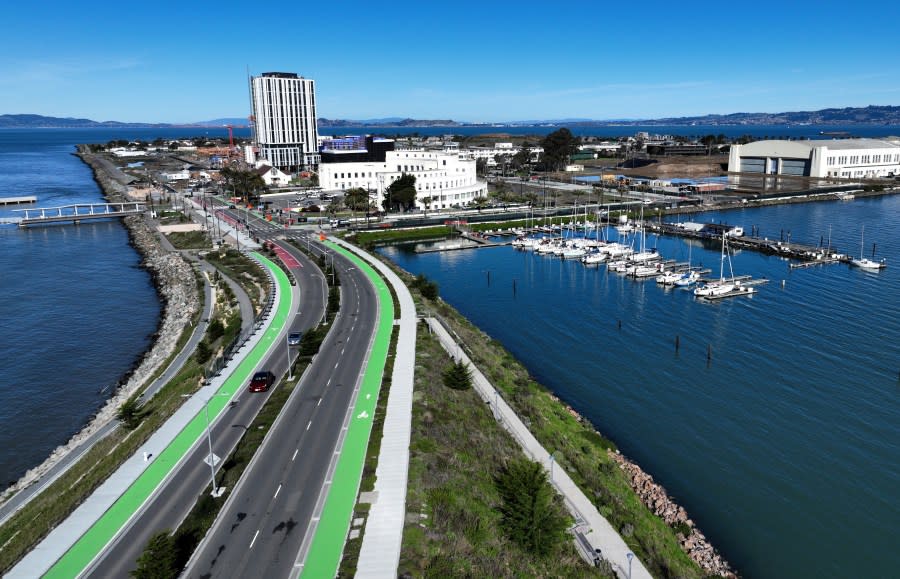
point(865, 262)
point(723, 287)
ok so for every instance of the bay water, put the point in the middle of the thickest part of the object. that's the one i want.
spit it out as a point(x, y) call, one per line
point(784, 445)
point(76, 310)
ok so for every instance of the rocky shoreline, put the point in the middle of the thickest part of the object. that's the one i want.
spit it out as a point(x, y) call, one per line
point(657, 500)
point(176, 287)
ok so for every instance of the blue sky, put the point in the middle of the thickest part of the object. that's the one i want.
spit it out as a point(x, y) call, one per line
point(468, 61)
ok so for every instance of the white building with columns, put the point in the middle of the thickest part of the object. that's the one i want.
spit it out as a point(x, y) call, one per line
point(838, 158)
point(444, 179)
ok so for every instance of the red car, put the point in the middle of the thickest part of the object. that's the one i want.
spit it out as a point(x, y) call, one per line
point(261, 381)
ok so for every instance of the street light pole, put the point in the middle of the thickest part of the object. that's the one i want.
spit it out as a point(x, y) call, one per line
point(212, 462)
point(630, 556)
point(287, 343)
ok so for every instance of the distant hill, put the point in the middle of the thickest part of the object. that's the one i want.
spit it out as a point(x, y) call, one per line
point(42, 122)
point(390, 122)
point(870, 115)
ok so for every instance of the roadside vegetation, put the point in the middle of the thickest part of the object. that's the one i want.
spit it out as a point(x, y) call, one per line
point(245, 271)
point(189, 240)
point(369, 239)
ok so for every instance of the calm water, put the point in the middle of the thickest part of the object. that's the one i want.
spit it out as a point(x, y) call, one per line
point(786, 448)
point(76, 311)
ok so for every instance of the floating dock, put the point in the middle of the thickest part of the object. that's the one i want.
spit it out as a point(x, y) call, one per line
point(18, 200)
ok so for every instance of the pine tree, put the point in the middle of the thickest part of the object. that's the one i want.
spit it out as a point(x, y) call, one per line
point(458, 376)
point(530, 517)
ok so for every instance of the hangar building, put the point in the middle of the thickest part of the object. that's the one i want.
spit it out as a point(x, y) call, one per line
point(844, 158)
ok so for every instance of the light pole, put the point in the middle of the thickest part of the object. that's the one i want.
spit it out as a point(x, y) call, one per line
point(211, 458)
point(630, 556)
point(287, 343)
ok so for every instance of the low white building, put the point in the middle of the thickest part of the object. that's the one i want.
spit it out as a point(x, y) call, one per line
point(273, 176)
point(443, 178)
point(839, 158)
point(182, 175)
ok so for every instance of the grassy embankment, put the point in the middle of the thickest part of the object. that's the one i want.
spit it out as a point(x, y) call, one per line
point(456, 446)
point(453, 526)
point(27, 527)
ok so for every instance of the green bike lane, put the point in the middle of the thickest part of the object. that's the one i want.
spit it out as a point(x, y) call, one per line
point(327, 545)
point(104, 530)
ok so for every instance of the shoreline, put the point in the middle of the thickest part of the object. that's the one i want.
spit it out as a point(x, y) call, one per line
point(173, 279)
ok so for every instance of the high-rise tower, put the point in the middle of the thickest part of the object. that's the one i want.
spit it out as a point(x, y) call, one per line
point(284, 111)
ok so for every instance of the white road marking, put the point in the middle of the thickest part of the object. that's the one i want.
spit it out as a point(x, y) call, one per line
point(319, 403)
point(308, 425)
point(295, 454)
point(278, 490)
point(254, 539)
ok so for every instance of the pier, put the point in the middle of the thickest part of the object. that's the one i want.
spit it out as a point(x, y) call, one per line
point(76, 213)
point(18, 200)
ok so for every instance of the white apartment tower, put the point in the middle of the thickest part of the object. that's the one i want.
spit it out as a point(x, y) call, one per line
point(284, 112)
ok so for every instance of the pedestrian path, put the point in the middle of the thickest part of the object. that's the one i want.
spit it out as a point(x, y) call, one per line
point(77, 541)
point(596, 530)
point(379, 554)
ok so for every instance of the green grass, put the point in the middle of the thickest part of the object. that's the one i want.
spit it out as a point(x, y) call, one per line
point(453, 525)
point(372, 238)
point(189, 239)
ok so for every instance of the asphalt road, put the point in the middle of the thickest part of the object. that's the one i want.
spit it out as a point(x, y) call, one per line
point(261, 529)
point(172, 503)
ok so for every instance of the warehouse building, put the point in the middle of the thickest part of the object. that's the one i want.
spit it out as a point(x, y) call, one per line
point(844, 158)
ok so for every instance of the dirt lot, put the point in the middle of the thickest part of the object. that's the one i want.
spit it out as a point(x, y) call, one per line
point(661, 167)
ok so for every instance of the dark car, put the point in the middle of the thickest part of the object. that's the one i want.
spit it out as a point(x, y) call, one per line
point(261, 381)
point(294, 338)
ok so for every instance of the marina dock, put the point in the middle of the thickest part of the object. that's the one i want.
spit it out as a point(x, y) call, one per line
point(788, 249)
point(18, 200)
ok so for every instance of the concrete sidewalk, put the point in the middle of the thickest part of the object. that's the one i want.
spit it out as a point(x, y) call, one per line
point(59, 541)
point(379, 555)
point(595, 528)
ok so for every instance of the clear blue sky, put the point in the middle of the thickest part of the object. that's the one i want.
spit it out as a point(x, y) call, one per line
point(468, 61)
